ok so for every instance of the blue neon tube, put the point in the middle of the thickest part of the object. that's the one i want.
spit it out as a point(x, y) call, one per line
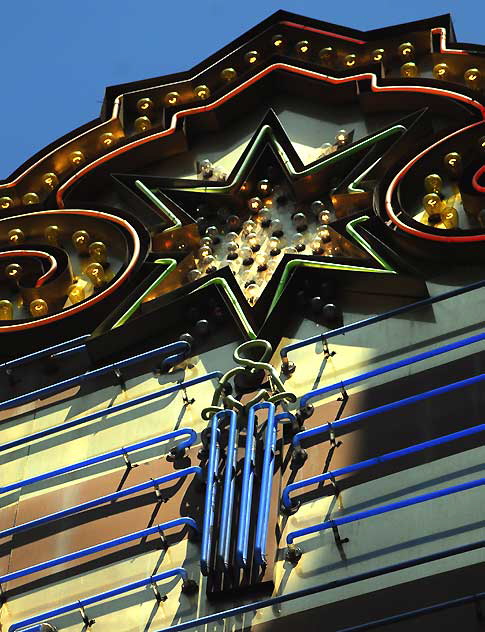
point(101, 500)
point(248, 481)
point(43, 352)
point(109, 411)
point(210, 493)
point(179, 346)
point(386, 407)
point(224, 544)
point(377, 511)
point(266, 487)
point(190, 440)
point(88, 601)
point(379, 317)
point(384, 458)
point(390, 367)
point(97, 548)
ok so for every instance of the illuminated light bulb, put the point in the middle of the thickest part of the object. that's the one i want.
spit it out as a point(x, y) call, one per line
point(342, 137)
point(16, 236)
point(245, 187)
point(206, 168)
point(232, 248)
point(326, 149)
point(265, 218)
point(30, 198)
point(142, 124)
point(52, 233)
point(209, 263)
point(481, 143)
point(228, 74)
point(316, 246)
point(252, 292)
point(77, 158)
point(193, 275)
point(441, 71)
point(204, 251)
point(406, 51)
point(327, 55)
point(38, 308)
point(13, 271)
point(264, 187)
point(272, 265)
point(409, 69)
point(172, 98)
point(278, 41)
point(277, 227)
point(378, 54)
point(106, 140)
point(317, 207)
point(6, 310)
point(261, 261)
point(233, 222)
point(298, 241)
point(472, 78)
point(350, 60)
point(268, 203)
point(219, 174)
point(449, 217)
point(291, 250)
point(274, 246)
point(80, 240)
point(202, 92)
point(98, 252)
point(323, 233)
point(251, 57)
point(255, 204)
point(253, 242)
point(246, 255)
point(95, 273)
point(6, 202)
point(300, 221)
point(206, 241)
point(324, 217)
point(144, 105)
point(453, 163)
point(249, 226)
point(76, 293)
point(433, 183)
point(302, 47)
point(432, 203)
point(49, 181)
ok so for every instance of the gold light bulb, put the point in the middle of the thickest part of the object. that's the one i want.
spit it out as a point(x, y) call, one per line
point(228, 74)
point(378, 54)
point(6, 202)
point(30, 198)
point(77, 158)
point(255, 204)
point(409, 70)
point(264, 187)
point(406, 51)
point(144, 105)
point(202, 92)
point(432, 203)
point(302, 47)
point(13, 271)
point(76, 293)
point(350, 60)
point(106, 140)
point(441, 71)
point(50, 181)
point(16, 236)
point(278, 41)
point(98, 252)
point(472, 78)
point(433, 183)
point(142, 124)
point(251, 57)
point(6, 310)
point(449, 217)
point(172, 98)
point(95, 273)
point(327, 55)
point(38, 308)
point(80, 240)
point(481, 143)
point(52, 233)
point(453, 163)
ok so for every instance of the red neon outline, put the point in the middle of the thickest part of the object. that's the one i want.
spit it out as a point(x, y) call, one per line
point(320, 32)
point(478, 187)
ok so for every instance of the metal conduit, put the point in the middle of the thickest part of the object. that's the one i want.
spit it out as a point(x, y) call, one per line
point(178, 348)
point(88, 601)
point(224, 545)
point(379, 317)
point(97, 548)
point(192, 436)
point(390, 367)
point(319, 588)
point(109, 411)
point(248, 481)
point(311, 432)
point(101, 500)
point(384, 458)
point(377, 511)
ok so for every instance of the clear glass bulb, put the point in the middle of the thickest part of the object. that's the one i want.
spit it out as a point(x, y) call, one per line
point(264, 187)
point(255, 204)
point(193, 275)
point(246, 253)
point(249, 226)
point(232, 236)
point(299, 220)
point(323, 232)
point(212, 231)
point(291, 250)
point(253, 240)
point(204, 251)
point(324, 217)
point(232, 246)
point(274, 243)
point(276, 226)
point(261, 260)
point(297, 239)
point(206, 168)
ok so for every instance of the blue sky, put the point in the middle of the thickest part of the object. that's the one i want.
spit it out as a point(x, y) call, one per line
point(57, 57)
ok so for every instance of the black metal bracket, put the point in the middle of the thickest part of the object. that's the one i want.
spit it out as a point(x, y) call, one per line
point(158, 492)
point(86, 620)
point(345, 396)
point(2, 595)
point(120, 379)
point(334, 484)
point(338, 540)
point(158, 596)
point(293, 554)
point(326, 351)
point(331, 435)
point(127, 460)
point(163, 539)
point(185, 398)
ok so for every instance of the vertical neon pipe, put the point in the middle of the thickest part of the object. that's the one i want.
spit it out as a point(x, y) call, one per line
point(224, 543)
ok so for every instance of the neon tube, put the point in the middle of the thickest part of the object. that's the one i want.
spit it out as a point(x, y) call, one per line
point(224, 544)
point(107, 456)
point(42, 352)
